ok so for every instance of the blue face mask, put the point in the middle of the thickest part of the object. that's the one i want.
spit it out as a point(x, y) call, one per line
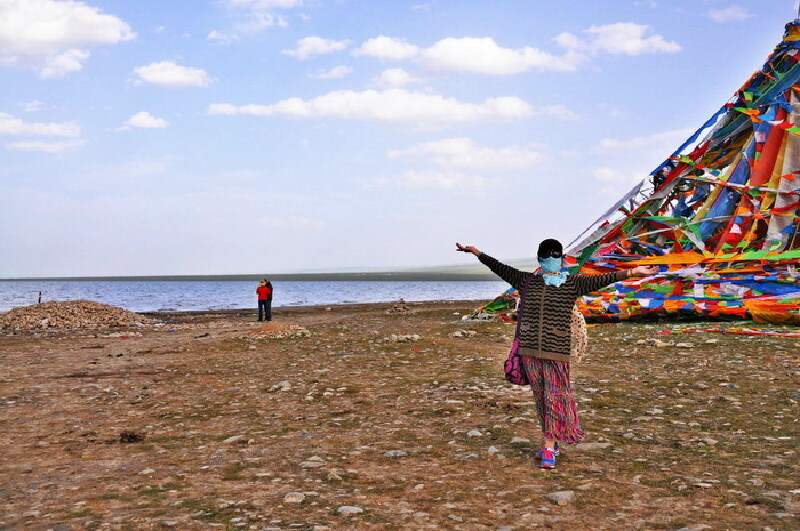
point(553, 266)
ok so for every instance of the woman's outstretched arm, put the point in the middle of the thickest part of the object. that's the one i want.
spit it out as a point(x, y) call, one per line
point(513, 276)
point(590, 283)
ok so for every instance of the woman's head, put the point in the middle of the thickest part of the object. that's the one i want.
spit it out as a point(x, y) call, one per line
point(262, 282)
point(550, 248)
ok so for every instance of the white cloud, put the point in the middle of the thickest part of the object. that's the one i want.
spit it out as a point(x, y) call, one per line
point(394, 106)
point(168, 74)
point(144, 120)
point(393, 78)
point(448, 180)
point(9, 125)
point(666, 141)
point(46, 147)
point(337, 72)
point(463, 153)
point(311, 46)
point(619, 38)
point(31, 106)
point(728, 14)
point(52, 37)
point(485, 56)
point(383, 47)
point(251, 16)
point(611, 175)
point(220, 37)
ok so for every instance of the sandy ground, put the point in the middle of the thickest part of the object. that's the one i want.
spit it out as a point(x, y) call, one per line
point(189, 426)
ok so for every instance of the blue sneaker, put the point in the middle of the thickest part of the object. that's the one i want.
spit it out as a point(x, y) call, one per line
point(548, 458)
point(556, 451)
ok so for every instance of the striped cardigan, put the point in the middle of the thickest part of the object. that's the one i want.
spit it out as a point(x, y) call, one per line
point(544, 330)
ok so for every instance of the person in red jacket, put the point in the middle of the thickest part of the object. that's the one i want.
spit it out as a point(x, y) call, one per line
point(264, 291)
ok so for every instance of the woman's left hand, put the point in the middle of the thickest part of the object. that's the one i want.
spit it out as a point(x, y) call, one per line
point(645, 271)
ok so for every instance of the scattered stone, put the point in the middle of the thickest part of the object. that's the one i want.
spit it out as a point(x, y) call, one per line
point(695, 527)
point(333, 476)
point(464, 333)
point(147, 471)
point(474, 433)
point(520, 440)
point(349, 510)
point(235, 438)
point(313, 462)
point(277, 331)
point(590, 446)
point(395, 453)
point(281, 386)
point(294, 497)
point(562, 497)
point(407, 338)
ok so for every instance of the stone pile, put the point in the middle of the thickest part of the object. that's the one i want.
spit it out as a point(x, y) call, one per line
point(400, 308)
point(69, 314)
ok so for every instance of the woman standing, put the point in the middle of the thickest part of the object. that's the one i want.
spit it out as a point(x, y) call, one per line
point(544, 336)
point(264, 292)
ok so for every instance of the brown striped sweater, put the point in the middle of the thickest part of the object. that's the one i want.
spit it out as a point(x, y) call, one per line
point(544, 330)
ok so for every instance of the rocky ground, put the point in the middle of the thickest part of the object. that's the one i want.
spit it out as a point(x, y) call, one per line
point(388, 420)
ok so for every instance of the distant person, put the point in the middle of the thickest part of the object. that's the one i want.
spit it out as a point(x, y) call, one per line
point(544, 336)
point(264, 292)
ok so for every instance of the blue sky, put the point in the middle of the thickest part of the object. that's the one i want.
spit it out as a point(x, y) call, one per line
point(255, 136)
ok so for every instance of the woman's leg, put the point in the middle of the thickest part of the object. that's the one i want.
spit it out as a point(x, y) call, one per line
point(561, 421)
point(268, 310)
point(555, 404)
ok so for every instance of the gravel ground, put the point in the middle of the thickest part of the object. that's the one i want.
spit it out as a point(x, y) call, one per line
point(387, 421)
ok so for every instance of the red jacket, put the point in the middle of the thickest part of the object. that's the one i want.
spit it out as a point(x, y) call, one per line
point(264, 293)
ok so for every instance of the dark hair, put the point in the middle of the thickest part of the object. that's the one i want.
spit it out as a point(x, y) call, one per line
point(549, 245)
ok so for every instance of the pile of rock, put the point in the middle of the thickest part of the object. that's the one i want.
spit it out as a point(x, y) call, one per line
point(278, 331)
point(69, 314)
point(400, 308)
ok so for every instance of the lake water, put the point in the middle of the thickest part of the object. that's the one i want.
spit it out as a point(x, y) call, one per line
point(149, 296)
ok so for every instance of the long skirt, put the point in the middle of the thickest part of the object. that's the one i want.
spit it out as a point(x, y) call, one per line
point(555, 404)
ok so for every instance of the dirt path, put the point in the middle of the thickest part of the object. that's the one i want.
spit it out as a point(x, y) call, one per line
point(425, 434)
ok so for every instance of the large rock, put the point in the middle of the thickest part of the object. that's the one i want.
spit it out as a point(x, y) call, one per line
point(562, 497)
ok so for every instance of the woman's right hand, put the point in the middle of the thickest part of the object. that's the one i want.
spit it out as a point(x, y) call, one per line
point(467, 249)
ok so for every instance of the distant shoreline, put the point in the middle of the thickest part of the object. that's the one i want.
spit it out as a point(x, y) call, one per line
point(421, 276)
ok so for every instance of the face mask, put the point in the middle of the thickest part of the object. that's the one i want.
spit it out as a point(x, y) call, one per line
point(550, 264)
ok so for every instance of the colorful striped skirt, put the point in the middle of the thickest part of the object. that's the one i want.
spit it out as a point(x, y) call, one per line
point(555, 404)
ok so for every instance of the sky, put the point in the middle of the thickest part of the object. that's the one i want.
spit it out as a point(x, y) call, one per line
point(152, 137)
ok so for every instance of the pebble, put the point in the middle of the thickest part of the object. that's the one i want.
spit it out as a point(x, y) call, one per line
point(348, 510)
point(590, 447)
point(474, 433)
point(147, 471)
point(294, 497)
point(234, 439)
point(562, 497)
point(695, 527)
point(520, 440)
point(333, 476)
point(395, 453)
point(313, 462)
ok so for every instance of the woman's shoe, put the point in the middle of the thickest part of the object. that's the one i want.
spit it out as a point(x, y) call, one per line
point(556, 451)
point(548, 458)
